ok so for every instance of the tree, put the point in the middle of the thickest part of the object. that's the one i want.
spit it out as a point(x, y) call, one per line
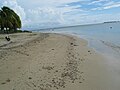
point(9, 20)
point(0, 20)
point(6, 19)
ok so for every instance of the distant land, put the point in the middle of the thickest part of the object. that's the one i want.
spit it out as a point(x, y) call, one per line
point(76, 25)
point(112, 22)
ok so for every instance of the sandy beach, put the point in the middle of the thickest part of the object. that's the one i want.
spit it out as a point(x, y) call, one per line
point(44, 61)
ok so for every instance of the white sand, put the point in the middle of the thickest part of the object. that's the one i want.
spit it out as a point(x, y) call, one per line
point(33, 61)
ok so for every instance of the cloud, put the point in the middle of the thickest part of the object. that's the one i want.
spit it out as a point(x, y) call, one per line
point(52, 13)
point(55, 2)
point(108, 5)
point(45, 15)
point(54, 16)
point(44, 18)
point(30, 4)
point(112, 5)
point(97, 2)
point(92, 19)
point(103, 17)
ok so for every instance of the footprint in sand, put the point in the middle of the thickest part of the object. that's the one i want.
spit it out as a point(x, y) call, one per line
point(53, 49)
point(88, 50)
point(75, 45)
point(3, 83)
point(8, 80)
point(19, 67)
point(30, 77)
point(71, 43)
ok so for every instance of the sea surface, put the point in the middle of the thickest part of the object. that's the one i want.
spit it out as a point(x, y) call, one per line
point(104, 37)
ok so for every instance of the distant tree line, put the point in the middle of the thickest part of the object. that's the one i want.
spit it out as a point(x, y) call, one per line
point(9, 20)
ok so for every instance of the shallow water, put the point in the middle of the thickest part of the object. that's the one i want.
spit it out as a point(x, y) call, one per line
point(104, 37)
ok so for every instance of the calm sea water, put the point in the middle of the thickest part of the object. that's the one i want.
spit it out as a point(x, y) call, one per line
point(104, 38)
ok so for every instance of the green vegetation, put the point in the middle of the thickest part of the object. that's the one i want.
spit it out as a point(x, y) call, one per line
point(9, 21)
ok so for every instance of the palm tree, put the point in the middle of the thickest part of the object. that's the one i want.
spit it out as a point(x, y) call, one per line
point(9, 19)
point(0, 20)
point(15, 20)
point(6, 19)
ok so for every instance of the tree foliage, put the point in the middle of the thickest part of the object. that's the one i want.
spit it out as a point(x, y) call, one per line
point(9, 20)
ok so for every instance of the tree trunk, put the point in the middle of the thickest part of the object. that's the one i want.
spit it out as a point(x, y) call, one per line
point(15, 29)
point(7, 31)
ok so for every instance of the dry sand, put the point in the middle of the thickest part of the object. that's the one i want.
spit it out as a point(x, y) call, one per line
point(39, 61)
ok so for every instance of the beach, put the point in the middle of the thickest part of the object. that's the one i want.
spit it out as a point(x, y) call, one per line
point(50, 61)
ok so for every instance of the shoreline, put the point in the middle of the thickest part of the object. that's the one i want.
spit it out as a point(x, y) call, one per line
point(106, 49)
point(53, 61)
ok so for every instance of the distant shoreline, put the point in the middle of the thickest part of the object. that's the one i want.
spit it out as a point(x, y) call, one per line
point(75, 25)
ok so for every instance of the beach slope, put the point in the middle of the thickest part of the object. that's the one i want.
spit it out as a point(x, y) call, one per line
point(43, 61)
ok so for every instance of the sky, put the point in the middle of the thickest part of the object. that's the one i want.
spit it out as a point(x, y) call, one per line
point(37, 14)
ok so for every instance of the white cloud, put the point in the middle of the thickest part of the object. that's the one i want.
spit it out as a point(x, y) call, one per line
point(98, 8)
point(108, 5)
point(103, 17)
point(113, 5)
point(54, 2)
point(50, 13)
point(45, 15)
point(42, 13)
point(70, 9)
point(97, 2)
point(88, 19)
point(29, 4)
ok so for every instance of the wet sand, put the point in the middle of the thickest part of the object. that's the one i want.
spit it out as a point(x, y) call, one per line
point(43, 61)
